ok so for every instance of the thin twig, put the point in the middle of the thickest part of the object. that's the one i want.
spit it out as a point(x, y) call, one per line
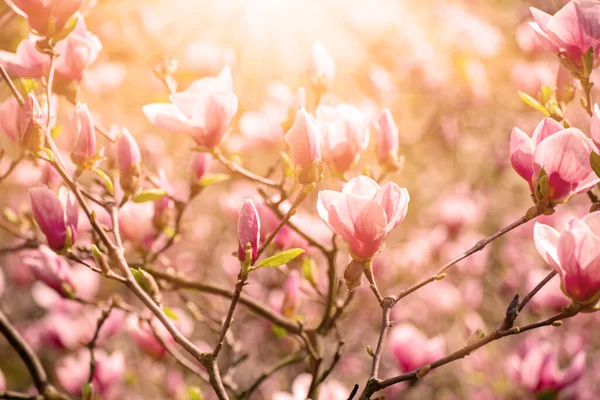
point(11, 86)
point(289, 360)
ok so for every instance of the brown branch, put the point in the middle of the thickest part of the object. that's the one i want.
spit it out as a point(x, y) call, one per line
point(239, 286)
point(244, 173)
point(11, 86)
point(92, 344)
point(289, 360)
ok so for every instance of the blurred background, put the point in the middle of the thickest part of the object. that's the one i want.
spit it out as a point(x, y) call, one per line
point(449, 71)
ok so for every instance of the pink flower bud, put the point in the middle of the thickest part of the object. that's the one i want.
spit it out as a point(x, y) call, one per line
point(562, 153)
point(248, 230)
point(291, 294)
point(136, 223)
point(57, 216)
point(129, 159)
point(413, 349)
point(321, 68)
point(363, 213)
point(387, 138)
point(538, 371)
point(305, 144)
point(204, 111)
point(31, 125)
point(46, 17)
point(85, 144)
point(199, 165)
point(73, 371)
point(345, 135)
point(51, 269)
point(78, 52)
point(571, 31)
point(575, 254)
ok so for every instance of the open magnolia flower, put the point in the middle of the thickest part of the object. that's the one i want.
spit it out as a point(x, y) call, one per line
point(562, 153)
point(203, 111)
point(363, 213)
point(572, 31)
point(575, 254)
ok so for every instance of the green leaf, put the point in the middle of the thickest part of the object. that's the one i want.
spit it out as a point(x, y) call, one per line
point(140, 279)
point(279, 331)
point(170, 313)
point(149, 195)
point(28, 85)
point(288, 165)
point(87, 391)
point(546, 94)
point(530, 101)
point(595, 162)
point(194, 393)
point(279, 259)
point(211, 179)
point(107, 181)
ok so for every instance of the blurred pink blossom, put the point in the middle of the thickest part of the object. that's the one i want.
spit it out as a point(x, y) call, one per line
point(413, 349)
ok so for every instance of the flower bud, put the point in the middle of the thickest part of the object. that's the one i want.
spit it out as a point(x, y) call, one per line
point(321, 68)
point(57, 216)
point(248, 230)
point(31, 125)
point(353, 274)
point(291, 294)
point(85, 145)
point(305, 144)
point(387, 138)
point(47, 18)
point(130, 159)
point(199, 165)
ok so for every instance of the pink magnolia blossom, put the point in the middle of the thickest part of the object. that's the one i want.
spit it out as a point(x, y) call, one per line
point(46, 17)
point(304, 139)
point(538, 369)
point(57, 216)
point(575, 254)
point(144, 336)
point(199, 165)
point(571, 31)
point(85, 144)
point(321, 67)
point(413, 349)
point(363, 213)
point(248, 229)
point(129, 159)
point(387, 138)
point(75, 53)
point(135, 221)
point(51, 269)
point(345, 135)
point(204, 111)
point(73, 371)
point(330, 390)
point(562, 153)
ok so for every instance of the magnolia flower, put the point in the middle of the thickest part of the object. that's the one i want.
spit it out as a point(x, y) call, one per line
point(572, 31)
point(204, 111)
point(75, 53)
point(51, 269)
point(562, 153)
point(538, 369)
point(31, 125)
point(73, 371)
point(387, 138)
point(330, 390)
point(46, 17)
point(304, 140)
point(57, 216)
point(413, 349)
point(575, 254)
point(363, 213)
point(321, 68)
point(136, 223)
point(248, 230)
point(345, 135)
point(129, 159)
point(85, 144)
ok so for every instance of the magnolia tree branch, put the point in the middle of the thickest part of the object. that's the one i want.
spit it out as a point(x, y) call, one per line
point(31, 360)
point(11, 86)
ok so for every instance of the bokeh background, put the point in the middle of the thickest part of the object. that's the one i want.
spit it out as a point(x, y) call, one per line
point(448, 70)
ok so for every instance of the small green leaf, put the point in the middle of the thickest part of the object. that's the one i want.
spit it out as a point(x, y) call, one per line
point(595, 162)
point(170, 313)
point(87, 391)
point(211, 179)
point(140, 279)
point(49, 154)
point(107, 181)
point(56, 131)
point(279, 331)
point(149, 195)
point(530, 101)
point(279, 259)
point(28, 85)
point(288, 165)
point(546, 94)
point(194, 393)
